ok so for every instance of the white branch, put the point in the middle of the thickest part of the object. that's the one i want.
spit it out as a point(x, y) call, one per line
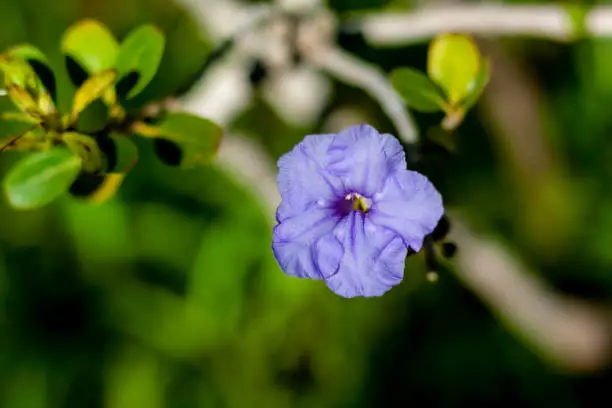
point(546, 21)
point(252, 167)
point(224, 19)
point(316, 45)
point(356, 72)
point(566, 331)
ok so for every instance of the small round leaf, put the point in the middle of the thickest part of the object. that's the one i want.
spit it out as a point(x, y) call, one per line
point(453, 62)
point(417, 90)
point(139, 57)
point(40, 178)
point(92, 89)
point(91, 45)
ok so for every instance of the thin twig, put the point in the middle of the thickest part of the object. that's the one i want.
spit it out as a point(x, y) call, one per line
point(553, 22)
point(18, 137)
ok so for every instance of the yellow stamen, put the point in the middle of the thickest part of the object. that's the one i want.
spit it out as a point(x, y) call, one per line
point(359, 203)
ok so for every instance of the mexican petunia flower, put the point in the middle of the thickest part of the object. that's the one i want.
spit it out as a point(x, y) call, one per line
point(350, 209)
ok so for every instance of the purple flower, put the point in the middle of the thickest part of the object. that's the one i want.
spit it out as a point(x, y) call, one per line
point(350, 209)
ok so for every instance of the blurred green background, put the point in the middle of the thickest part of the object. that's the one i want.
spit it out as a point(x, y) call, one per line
point(169, 296)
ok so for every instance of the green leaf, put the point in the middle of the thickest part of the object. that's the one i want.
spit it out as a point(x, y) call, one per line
point(24, 101)
point(24, 86)
point(19, 117)
point(453, 62)
point(187, 140)
point(94, 118)
point(87, 149)
point(417, 90)
point(140, 53)
point(40, 178)
point(92, 89)
point(122, 153)
point(17, 72)
point(39, 63)
point(91, 45)
point(478, 84)
point(27, 52)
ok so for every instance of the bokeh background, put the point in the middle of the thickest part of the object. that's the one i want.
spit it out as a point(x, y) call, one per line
point(168, 295)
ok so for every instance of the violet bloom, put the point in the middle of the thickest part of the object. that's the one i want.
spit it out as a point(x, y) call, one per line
point(350, 209)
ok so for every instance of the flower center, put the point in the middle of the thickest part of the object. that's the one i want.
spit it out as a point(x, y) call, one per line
point(352, 202)
point(358, 202)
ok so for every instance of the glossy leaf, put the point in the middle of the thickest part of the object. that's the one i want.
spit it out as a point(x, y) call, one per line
point(417, 90)
point(187, 140)
point(478, 84)
point(39, 63)
point(17, 72)
point(91, 45)
point(92, 89)
point(40, 178)
point(23, 100)
point(453, 62)
point(27, 52)
point(140, 55)
point(25, 88)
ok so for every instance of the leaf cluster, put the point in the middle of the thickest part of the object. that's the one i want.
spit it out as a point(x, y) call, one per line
point(88, 150)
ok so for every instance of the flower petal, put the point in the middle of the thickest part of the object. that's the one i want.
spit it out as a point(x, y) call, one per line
point(364, 158)
point(302, 178)
point(372, 261)
point(409, 205)
point(293, 241)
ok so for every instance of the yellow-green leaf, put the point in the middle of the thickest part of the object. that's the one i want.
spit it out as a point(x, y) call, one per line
point(140, 54)
point(87, 149)
point(417, 90)
point(27, 52)
point(19, 117)
point(453, 62)
point(40, 178)
point(91, 45)
point(24, 101)
point(478, 84)
point(39, 63)
point(17, 72)
point(93, 88)
point(28, 91)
